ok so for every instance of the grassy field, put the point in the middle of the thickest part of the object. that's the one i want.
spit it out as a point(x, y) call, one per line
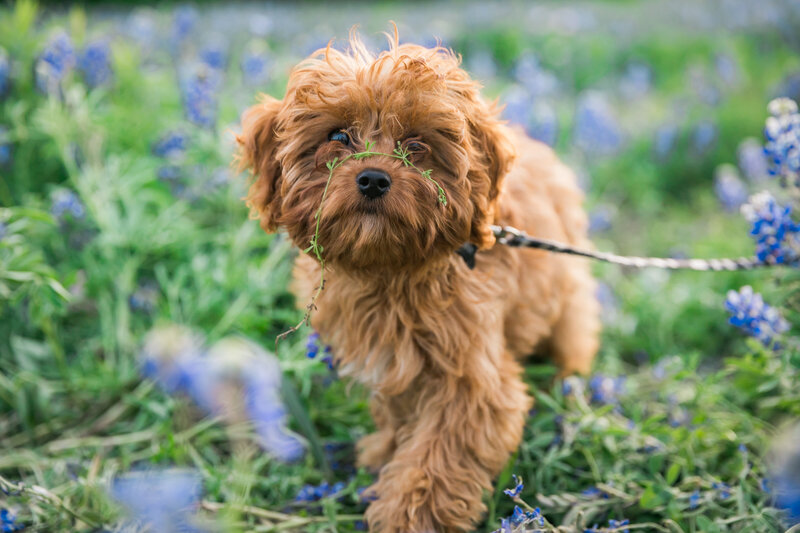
point(120, 212)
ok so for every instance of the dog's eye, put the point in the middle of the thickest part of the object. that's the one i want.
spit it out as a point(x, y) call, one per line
point(415, 146)
point(339, 136)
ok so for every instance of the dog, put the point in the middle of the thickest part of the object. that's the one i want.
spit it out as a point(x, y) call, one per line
point(438, 343)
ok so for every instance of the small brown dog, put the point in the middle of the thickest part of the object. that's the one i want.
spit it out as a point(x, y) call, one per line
point(438, 343)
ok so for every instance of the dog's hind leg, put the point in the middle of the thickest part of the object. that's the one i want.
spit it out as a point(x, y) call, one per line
point(575, 337)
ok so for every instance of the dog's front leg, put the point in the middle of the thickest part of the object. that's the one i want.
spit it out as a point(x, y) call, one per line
point(458, 434)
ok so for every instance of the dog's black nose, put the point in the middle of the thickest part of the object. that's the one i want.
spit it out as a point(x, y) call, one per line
point(373, 183)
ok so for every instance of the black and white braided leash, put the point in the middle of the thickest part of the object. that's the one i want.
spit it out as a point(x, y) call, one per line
point(513, 237)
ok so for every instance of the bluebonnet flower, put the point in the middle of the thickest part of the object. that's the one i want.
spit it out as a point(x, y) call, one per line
point(765, 485)
point(529, 74)
point(782, 133)
point(727, 69)
point(573, 385)
point(260, 24)
point(777, 236)
point(619, 524)
point(172, 145)
point(3, 230)
point(597, 130)
point(66, 203)
point(5, 147)
point(750, 314)
point(537, 117)
point(164, 501)
point(514, 493)
point(54, 63)
point(636, 80)
point(5, 73)
point(313, 347)
point(666, 137)
point(723, 490)
point(612, 525)
point(593, 493)
point(606, 390)
point(234, 379)
point(729, 188)
point(694, 500)
point(703, 137)
point(601, 218)
point(784, 473)
point(8, 522)
point(169, 173)
point(199, 87)
point(214, 52)
point(144, 298)
point(314, 493)
point(265, 409)
point(522, 521)
point(366, 494)
point(94, 62)
point(184, 19)
point(255, 63)
point(752, 161)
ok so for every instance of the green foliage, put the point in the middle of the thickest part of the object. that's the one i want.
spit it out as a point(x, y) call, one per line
point(77, 295)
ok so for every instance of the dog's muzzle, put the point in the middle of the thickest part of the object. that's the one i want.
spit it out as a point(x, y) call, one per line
point(373, 183)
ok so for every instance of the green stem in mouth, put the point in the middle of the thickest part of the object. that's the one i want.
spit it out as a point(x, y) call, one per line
point(316, 248)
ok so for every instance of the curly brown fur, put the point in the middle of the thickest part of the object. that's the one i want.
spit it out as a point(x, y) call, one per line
point(438, 344)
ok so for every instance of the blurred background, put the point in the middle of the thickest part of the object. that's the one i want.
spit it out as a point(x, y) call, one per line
point(121, 212)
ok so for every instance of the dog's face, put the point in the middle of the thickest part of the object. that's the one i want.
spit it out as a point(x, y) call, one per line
point(377, 212)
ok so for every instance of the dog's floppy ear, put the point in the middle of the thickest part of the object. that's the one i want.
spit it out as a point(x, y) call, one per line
point(492, 157)
point(257, 147)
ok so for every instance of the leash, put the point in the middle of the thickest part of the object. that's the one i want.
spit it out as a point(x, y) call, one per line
point(513, 237)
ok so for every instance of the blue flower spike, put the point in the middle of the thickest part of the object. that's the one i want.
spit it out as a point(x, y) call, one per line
point(776, 234)
point(514, 493)
point(782, 134)
point(756, 318)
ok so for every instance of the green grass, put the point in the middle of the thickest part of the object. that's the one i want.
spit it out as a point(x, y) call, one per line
point(75, 412)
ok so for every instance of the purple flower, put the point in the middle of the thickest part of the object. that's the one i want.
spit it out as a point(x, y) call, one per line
point(694, 500)
point(782, 132)
point(3, 230)
point(606, 390)
point(255, 63)
point(514, 493)
point(704, 136)
point(636, 81)
point(265, 409)
point(597, 130)
point(537, 118)
point(314, 493)
point(94, 62)
point(619, 524)
point(481, 64)
point(66, 203)
point(184, 19)
point(5, 147)
point(729, 188)
point(8, 522)
point(313, 346)
point(777, 236)
point(601, 218)
point(522, 521)
point(723, 490)
point(529, 74)
point(752, 161)
point(665, 139)
point(172, 145)
point(750, 314)
point(53, 64)
point(165, 501)
point(200, 86)
point(214, 53)
point(5, 73)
